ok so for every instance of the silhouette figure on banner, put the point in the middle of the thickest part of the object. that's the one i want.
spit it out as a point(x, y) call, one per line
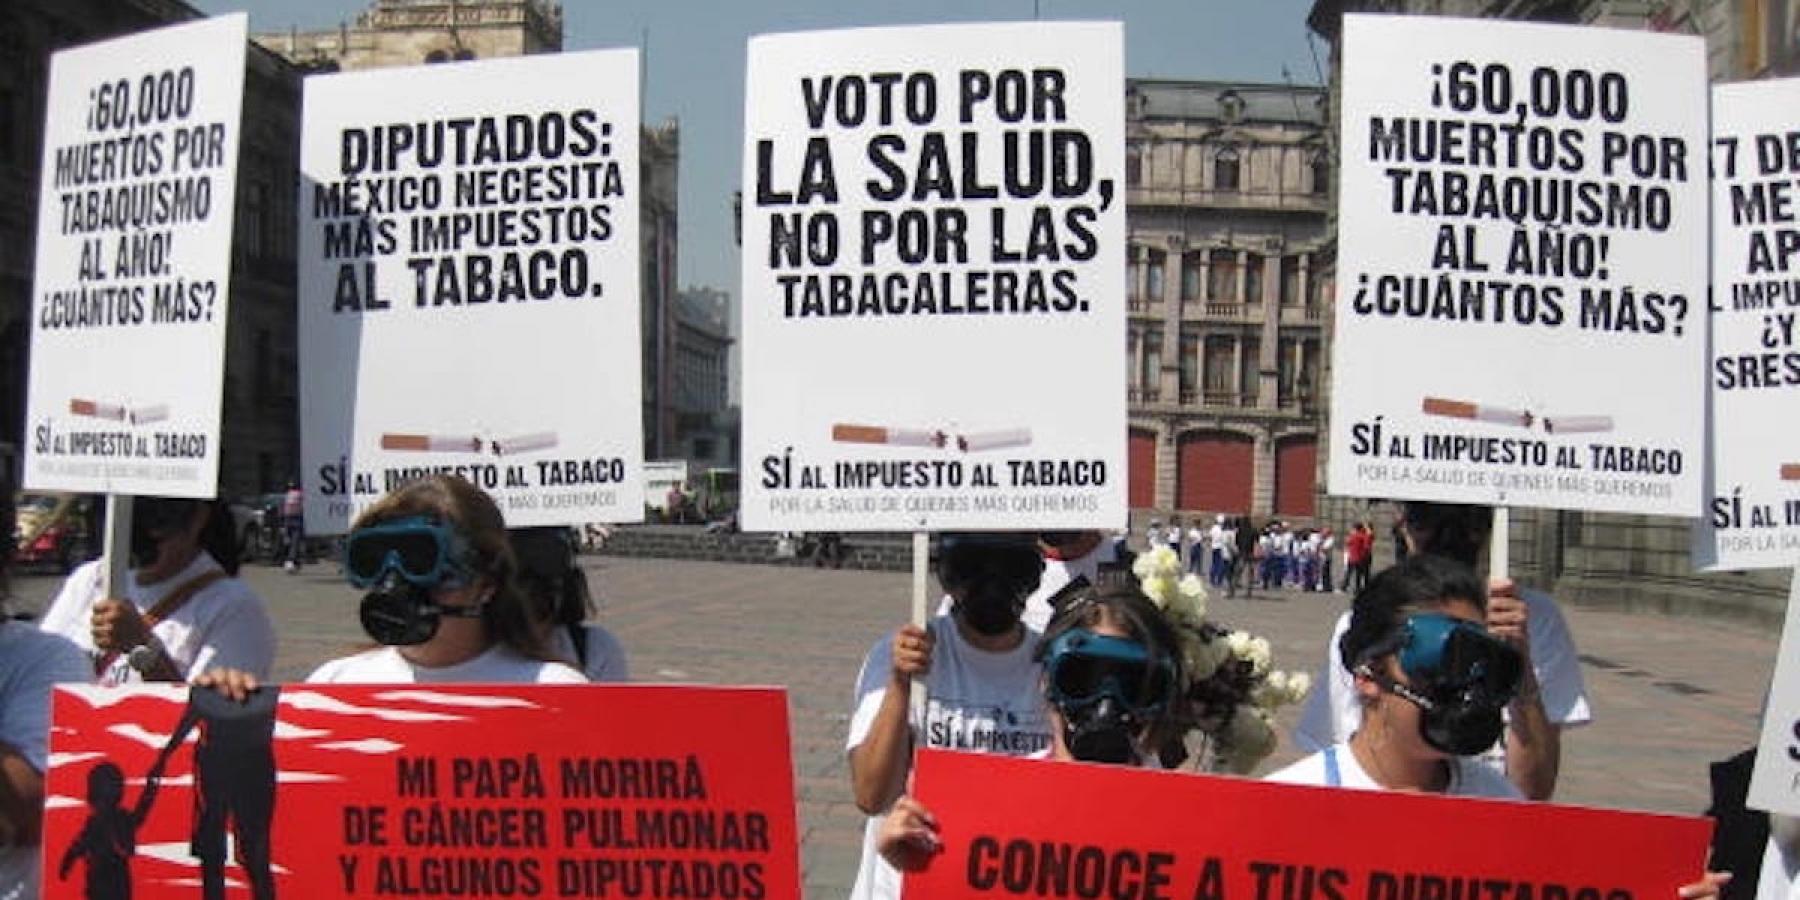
point(108, 838)
point(234, 783)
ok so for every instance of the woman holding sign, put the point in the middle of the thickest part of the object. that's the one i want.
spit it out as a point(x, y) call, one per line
point(1112, 668)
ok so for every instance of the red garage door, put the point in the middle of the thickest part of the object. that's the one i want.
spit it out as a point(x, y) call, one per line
point(1141, 488)
point(1296, 464)
point(1216, 472)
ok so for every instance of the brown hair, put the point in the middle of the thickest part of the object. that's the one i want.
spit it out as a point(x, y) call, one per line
point(478, 521)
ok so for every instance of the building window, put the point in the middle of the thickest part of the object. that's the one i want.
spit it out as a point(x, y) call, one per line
point(1222, 278)
point(1131, 347)
point(1190, 277)
point(1134, 292)
point(1321, 173)
point(1290, 280)
point(1253, 278)
point(1134, 165)
point(1218, 367)
point(1249, 367)
point(1225, 169)
point(1153, 278)
point(1190, 366)
point(1315, 282)
point(1152, 371)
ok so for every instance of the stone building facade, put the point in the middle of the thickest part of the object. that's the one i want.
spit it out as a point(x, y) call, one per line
point(410, 32)
point(1603, 558)
point(1227, 296)
point(259, 445)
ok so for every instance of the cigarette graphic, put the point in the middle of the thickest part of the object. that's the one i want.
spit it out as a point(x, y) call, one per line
point(1577, 424)
point(431, 443)
point(994, 440)
point(144, 415)
point(893, 437)
point(1790, 471)
point(525, 443)
point(1457, 409)
point(97, 410)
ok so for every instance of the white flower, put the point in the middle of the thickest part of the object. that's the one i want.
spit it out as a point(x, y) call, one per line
point(1259, 655)
point(1201, 655)
point(1298, 684)
point(1158, 590)
point(1161, 562)
point(1238, 643)
point(1247, 740)
point(1193, 595)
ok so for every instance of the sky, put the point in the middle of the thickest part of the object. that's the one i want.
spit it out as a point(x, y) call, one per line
point(694, 71)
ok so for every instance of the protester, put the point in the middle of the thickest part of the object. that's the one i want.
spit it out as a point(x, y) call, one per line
point(1198, 545)
point(293, 526)
point(556, 587)
point(31, 662)
point(1245, 561)
point(981, 682)
point(1111, 670)
point(1552, 695)
point(183, 612)
point(1327, 546)
point(443, 596)
point(1359, 551)
point(1433, 684)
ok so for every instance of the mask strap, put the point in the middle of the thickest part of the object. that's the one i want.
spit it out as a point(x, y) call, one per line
point(1402, 691)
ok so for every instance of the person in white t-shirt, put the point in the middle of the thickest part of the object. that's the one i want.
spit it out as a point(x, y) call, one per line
point(182, 610)
point(980, 674)
point(1552, 697)
point(1432, 683)
point(554, 583)
point(442, 598)
point(1112, 667)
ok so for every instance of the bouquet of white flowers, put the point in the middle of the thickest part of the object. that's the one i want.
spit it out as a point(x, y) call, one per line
point(1232, 688)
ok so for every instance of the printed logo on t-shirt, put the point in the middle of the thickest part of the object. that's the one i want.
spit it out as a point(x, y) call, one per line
point(987, 727)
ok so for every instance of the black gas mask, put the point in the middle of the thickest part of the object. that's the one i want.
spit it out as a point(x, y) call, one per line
point(991, 575)
point(1108, 690)
point(1462, 679)
point(399, 563)
point(155, 518)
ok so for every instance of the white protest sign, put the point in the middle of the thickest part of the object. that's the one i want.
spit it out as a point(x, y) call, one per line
point(1521, 313)
point(933, 278)
point(1775, 782)
point(133, 269)
point(1753, 517)
point(469, 286)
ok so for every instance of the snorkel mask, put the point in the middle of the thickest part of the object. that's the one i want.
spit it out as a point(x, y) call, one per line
point(399, 563)
point(1107, 689)
point(1462, 678)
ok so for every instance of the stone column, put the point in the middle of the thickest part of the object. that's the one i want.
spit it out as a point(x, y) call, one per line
point(1269, 385)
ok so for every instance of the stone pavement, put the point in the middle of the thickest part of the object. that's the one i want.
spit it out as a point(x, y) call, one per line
point(1670, 694)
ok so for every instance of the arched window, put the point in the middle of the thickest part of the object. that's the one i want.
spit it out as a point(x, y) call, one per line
point(1225, 169)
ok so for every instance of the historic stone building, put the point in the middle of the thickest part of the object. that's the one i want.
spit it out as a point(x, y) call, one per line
point(410, 32)
point(1603, 558)
point(260, 439)
point(1227, 296)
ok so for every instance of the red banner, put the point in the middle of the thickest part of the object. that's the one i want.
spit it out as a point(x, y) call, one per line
point(1080, 830)
point(317, 791)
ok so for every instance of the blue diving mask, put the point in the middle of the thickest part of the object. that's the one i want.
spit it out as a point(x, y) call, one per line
point(1082, 668)
point(420, 550)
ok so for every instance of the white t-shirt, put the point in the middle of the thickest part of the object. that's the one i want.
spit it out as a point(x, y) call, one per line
point(499, 664)
point(977, 701)
point(1332, 712)
point(1780, 875)
point(30, 662)
point(605, 655)
point(1468, 778)
point(224, 625)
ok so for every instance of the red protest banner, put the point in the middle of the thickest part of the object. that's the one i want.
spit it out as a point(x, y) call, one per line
point(1080, 830)
point(322, 791)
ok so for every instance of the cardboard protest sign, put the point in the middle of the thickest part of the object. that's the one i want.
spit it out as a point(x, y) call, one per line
point(469, 286)
point(1522, 268)
point(1083, 830)
point(1775, 782)
point(933, 278)
point(423, 790)
point(133, 272)
point(1752, 518)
